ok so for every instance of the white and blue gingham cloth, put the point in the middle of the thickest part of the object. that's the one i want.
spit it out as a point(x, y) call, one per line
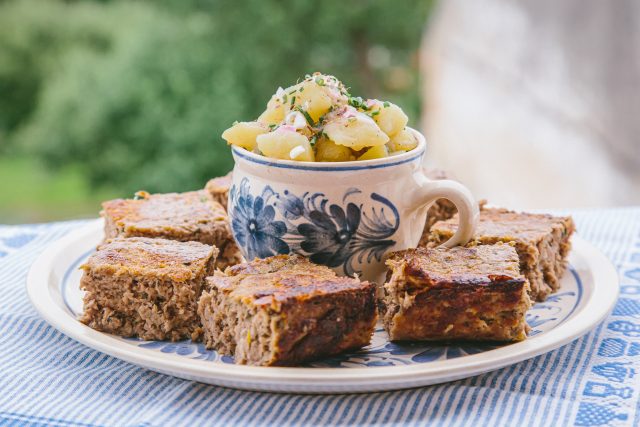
point(49, 379)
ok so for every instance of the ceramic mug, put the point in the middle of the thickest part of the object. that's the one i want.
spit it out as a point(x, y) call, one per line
point(346, 215)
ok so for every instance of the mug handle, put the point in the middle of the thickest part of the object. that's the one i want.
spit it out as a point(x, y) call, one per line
point(468, 212)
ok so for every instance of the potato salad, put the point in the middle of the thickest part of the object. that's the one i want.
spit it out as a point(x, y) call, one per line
point(318, 120)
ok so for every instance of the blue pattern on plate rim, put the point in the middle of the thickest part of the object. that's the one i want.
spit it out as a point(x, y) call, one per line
point(542, 317)
point(336, 235)
point(186, 348)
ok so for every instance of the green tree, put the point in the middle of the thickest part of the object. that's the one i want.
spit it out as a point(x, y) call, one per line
point(144, 106)
point(34, 37)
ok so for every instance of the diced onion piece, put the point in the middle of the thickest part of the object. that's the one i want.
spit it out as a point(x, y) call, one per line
point(283, 143)
point(329, 151)
point(355, 130)
point(377, 152)
point(296, 120)
point(244, 134)
point(404, 140)
point(389, 117)
point(296, 152)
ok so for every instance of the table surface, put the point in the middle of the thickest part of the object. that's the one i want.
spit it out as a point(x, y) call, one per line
point(49, 379)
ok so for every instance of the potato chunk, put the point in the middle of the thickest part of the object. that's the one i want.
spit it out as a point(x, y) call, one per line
point(285, 143)
point(321, 108)
point(377, 152)
point(275, 112)
point(244, 134)
point(355, 130)
point(404, 140)
point(329, 151)
point(389, 117)
point(310, 97)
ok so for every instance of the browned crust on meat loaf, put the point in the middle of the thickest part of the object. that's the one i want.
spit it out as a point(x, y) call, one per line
point(190, 216)
point(219, 187)
point(146, 288)
point(451, 294)
point(278, 263)
point(542, 242)
point(284, 311)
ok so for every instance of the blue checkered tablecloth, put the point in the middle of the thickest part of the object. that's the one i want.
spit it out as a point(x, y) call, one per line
point(49, 379)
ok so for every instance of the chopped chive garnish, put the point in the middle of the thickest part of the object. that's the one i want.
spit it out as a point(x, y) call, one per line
point(319, 81)
point(301, 89)
point(284, 98)
point(273, 126)
point(386, 104)
point(306, 116)
point(375, 113)
point(293, 100)
point(358, 102)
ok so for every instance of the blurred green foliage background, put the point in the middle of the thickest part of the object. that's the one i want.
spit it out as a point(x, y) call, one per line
point(99, 99)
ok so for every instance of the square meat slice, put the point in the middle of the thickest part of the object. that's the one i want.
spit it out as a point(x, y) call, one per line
point(219, 187)
point(191, 216)
point(456, 294)
point(146, 288)
point(542, 242)
point(284, 310)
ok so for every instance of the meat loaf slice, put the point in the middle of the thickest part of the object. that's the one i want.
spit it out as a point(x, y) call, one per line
point(284, 310)
point(542, 242)
point(147, 288)
point(461, 293)
point(191, 216)
point(219, 187)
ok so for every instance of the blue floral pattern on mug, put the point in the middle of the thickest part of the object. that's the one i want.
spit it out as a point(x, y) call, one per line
point(254, 227)
point(335, 235)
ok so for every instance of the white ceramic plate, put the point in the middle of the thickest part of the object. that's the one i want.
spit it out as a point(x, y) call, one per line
point(588, 292)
